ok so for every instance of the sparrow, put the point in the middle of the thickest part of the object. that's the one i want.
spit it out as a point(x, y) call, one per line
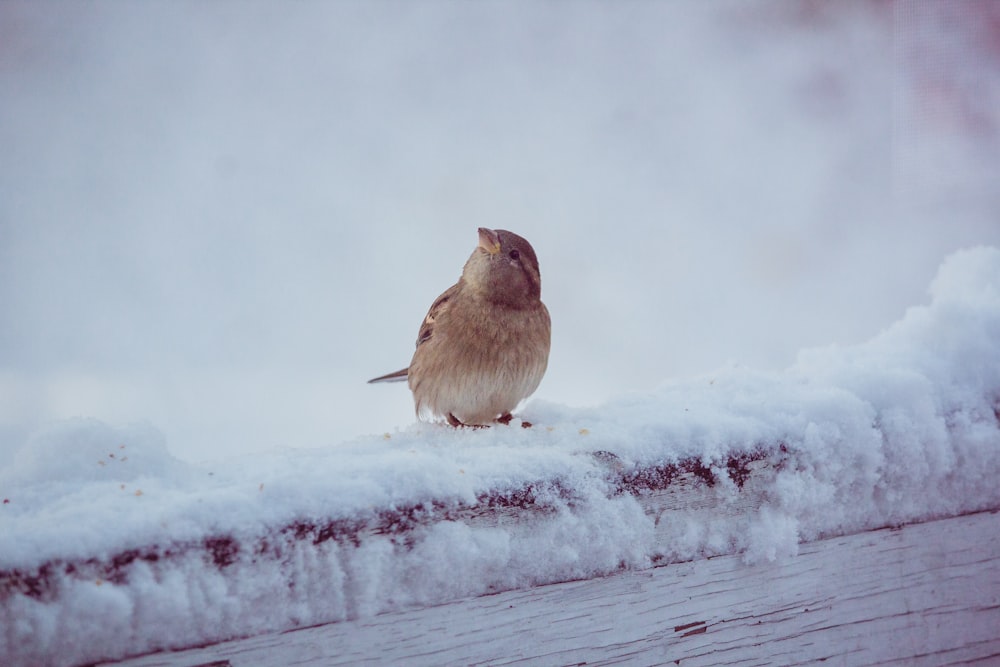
point(484, 345)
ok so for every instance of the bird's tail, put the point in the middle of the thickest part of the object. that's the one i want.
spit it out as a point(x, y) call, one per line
point(398, 376)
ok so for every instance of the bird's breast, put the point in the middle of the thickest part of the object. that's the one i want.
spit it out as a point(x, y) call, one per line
point(480, 364)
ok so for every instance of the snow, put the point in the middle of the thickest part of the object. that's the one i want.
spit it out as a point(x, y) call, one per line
point(899, 429)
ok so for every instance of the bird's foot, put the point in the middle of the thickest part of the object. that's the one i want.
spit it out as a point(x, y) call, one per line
point(454, 421)
point(506, 417)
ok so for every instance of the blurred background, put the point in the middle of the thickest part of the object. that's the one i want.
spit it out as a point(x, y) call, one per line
point(223, 218)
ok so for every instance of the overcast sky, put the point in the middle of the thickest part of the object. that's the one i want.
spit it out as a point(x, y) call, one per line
point(223, 218)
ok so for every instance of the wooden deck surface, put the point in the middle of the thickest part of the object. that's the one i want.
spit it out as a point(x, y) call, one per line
point(924, 594)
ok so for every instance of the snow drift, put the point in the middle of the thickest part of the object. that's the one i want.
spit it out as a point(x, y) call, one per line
point(111, 547)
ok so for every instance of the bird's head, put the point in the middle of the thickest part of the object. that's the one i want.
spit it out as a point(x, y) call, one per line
point(504, 269)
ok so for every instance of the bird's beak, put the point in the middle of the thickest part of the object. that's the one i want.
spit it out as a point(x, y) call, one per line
point(489, 240)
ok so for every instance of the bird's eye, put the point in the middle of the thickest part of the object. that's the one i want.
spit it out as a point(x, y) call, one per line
point(514, 254)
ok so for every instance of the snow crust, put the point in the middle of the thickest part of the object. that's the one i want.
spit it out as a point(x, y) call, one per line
point(899, 429)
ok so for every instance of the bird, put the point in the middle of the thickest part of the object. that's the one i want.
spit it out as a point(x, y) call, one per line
point(483, 346)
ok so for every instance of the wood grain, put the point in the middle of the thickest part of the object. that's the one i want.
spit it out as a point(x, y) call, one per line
point(924, 594)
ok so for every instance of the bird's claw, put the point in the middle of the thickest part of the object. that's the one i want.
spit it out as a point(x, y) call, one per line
point(502, 419)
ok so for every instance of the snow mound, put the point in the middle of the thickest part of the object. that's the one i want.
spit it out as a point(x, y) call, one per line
point(111, 547)
point(87, 450)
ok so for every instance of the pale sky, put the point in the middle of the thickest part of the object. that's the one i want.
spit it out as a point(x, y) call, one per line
point(223, 218)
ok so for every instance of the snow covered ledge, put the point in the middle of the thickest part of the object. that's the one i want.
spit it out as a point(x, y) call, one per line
point(109, 547)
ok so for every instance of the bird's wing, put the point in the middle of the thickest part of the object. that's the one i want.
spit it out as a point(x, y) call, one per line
point(438, 308)
point(426, 331)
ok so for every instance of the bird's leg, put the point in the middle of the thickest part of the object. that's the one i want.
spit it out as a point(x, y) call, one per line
point(454, 421)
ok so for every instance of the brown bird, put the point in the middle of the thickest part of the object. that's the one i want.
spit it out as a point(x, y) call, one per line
point(484, 344)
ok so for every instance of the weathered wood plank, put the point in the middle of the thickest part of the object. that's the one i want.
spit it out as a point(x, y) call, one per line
point(926, 594)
